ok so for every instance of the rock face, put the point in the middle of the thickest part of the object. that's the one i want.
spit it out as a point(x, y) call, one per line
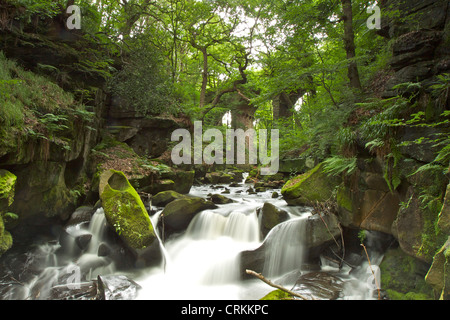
point(439, 274)
point(419, 31)
point(125, 211)
point(366, 201)
point(309, 188)
point(135, 130)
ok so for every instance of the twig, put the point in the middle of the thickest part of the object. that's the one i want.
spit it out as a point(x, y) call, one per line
point(373, 273)
point(261, 277)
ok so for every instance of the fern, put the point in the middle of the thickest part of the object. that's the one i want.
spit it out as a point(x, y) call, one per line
point(338, 165)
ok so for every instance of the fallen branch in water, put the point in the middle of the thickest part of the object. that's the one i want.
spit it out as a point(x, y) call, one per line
point(270, 283)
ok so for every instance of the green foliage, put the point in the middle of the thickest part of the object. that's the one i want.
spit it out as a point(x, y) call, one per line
point(338, 165)
point(143, 84)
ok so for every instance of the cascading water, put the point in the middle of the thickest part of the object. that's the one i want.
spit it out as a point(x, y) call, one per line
point(202, 263)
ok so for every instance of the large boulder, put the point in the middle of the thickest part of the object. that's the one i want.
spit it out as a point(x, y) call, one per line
point(403, 276)
point(270, 217)
point(366, 201)
point(164, 198)
point(309, 188)
point(179, 213)
point(125, 211)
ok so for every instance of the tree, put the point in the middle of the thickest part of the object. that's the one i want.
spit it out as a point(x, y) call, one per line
point(349, 42)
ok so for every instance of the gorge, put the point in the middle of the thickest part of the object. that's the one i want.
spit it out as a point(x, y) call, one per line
point(93, 207)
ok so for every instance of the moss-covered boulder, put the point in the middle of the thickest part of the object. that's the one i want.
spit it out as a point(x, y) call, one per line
point(309, 188)
point(125, 211)
point(183, 180)
point(220, 199)
point(403, 276)
point(164, 198)
point(179, 213)
point(270, 217)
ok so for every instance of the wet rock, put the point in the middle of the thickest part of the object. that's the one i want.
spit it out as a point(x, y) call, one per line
point(83, 241)
point(179, 213)
point(81, 215)
point(270, 217)
point(164, 198)
point(219, 199)
point(103, 250)
point(116, 288)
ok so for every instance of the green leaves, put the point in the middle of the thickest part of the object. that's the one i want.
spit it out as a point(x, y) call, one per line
point(338, 165)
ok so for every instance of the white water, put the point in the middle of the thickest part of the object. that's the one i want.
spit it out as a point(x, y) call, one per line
point(203, 262)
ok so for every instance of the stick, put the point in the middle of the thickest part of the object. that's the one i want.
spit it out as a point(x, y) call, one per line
point(373, 273)
point(261, 277)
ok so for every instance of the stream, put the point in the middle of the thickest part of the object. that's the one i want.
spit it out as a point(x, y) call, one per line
point(202, 263)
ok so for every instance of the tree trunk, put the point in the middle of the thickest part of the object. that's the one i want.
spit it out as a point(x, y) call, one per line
point(204, 76)
point(349, 42)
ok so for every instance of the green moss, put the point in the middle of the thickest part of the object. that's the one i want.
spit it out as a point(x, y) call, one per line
point(277, 295)
point(7, 186)
point(6, 242)
point(309, 188)
point(125, 211)
point(403, 274)
point(395, 295)
point(344, 199)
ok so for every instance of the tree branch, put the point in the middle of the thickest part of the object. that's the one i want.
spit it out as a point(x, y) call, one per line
point(261, 277)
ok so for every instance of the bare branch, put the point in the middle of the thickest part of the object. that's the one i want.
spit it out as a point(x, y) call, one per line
point(261, 277)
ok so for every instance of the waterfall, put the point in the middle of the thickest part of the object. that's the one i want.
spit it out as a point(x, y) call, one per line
point(284, 247)
point(203, 263)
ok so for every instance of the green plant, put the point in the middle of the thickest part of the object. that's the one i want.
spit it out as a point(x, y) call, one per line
point(337, 165)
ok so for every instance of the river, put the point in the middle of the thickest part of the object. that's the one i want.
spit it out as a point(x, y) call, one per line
point(203, 263)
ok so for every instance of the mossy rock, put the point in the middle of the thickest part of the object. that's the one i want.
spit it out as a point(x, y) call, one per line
point(183, 180)
point(6, 242)
point(164, 198)
point(179, 213)
point(220, 199)
point(125, 211)
point(271, 216)
point(404, 276)
point(277, 295)
point(7, 188)
point(309, 188)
